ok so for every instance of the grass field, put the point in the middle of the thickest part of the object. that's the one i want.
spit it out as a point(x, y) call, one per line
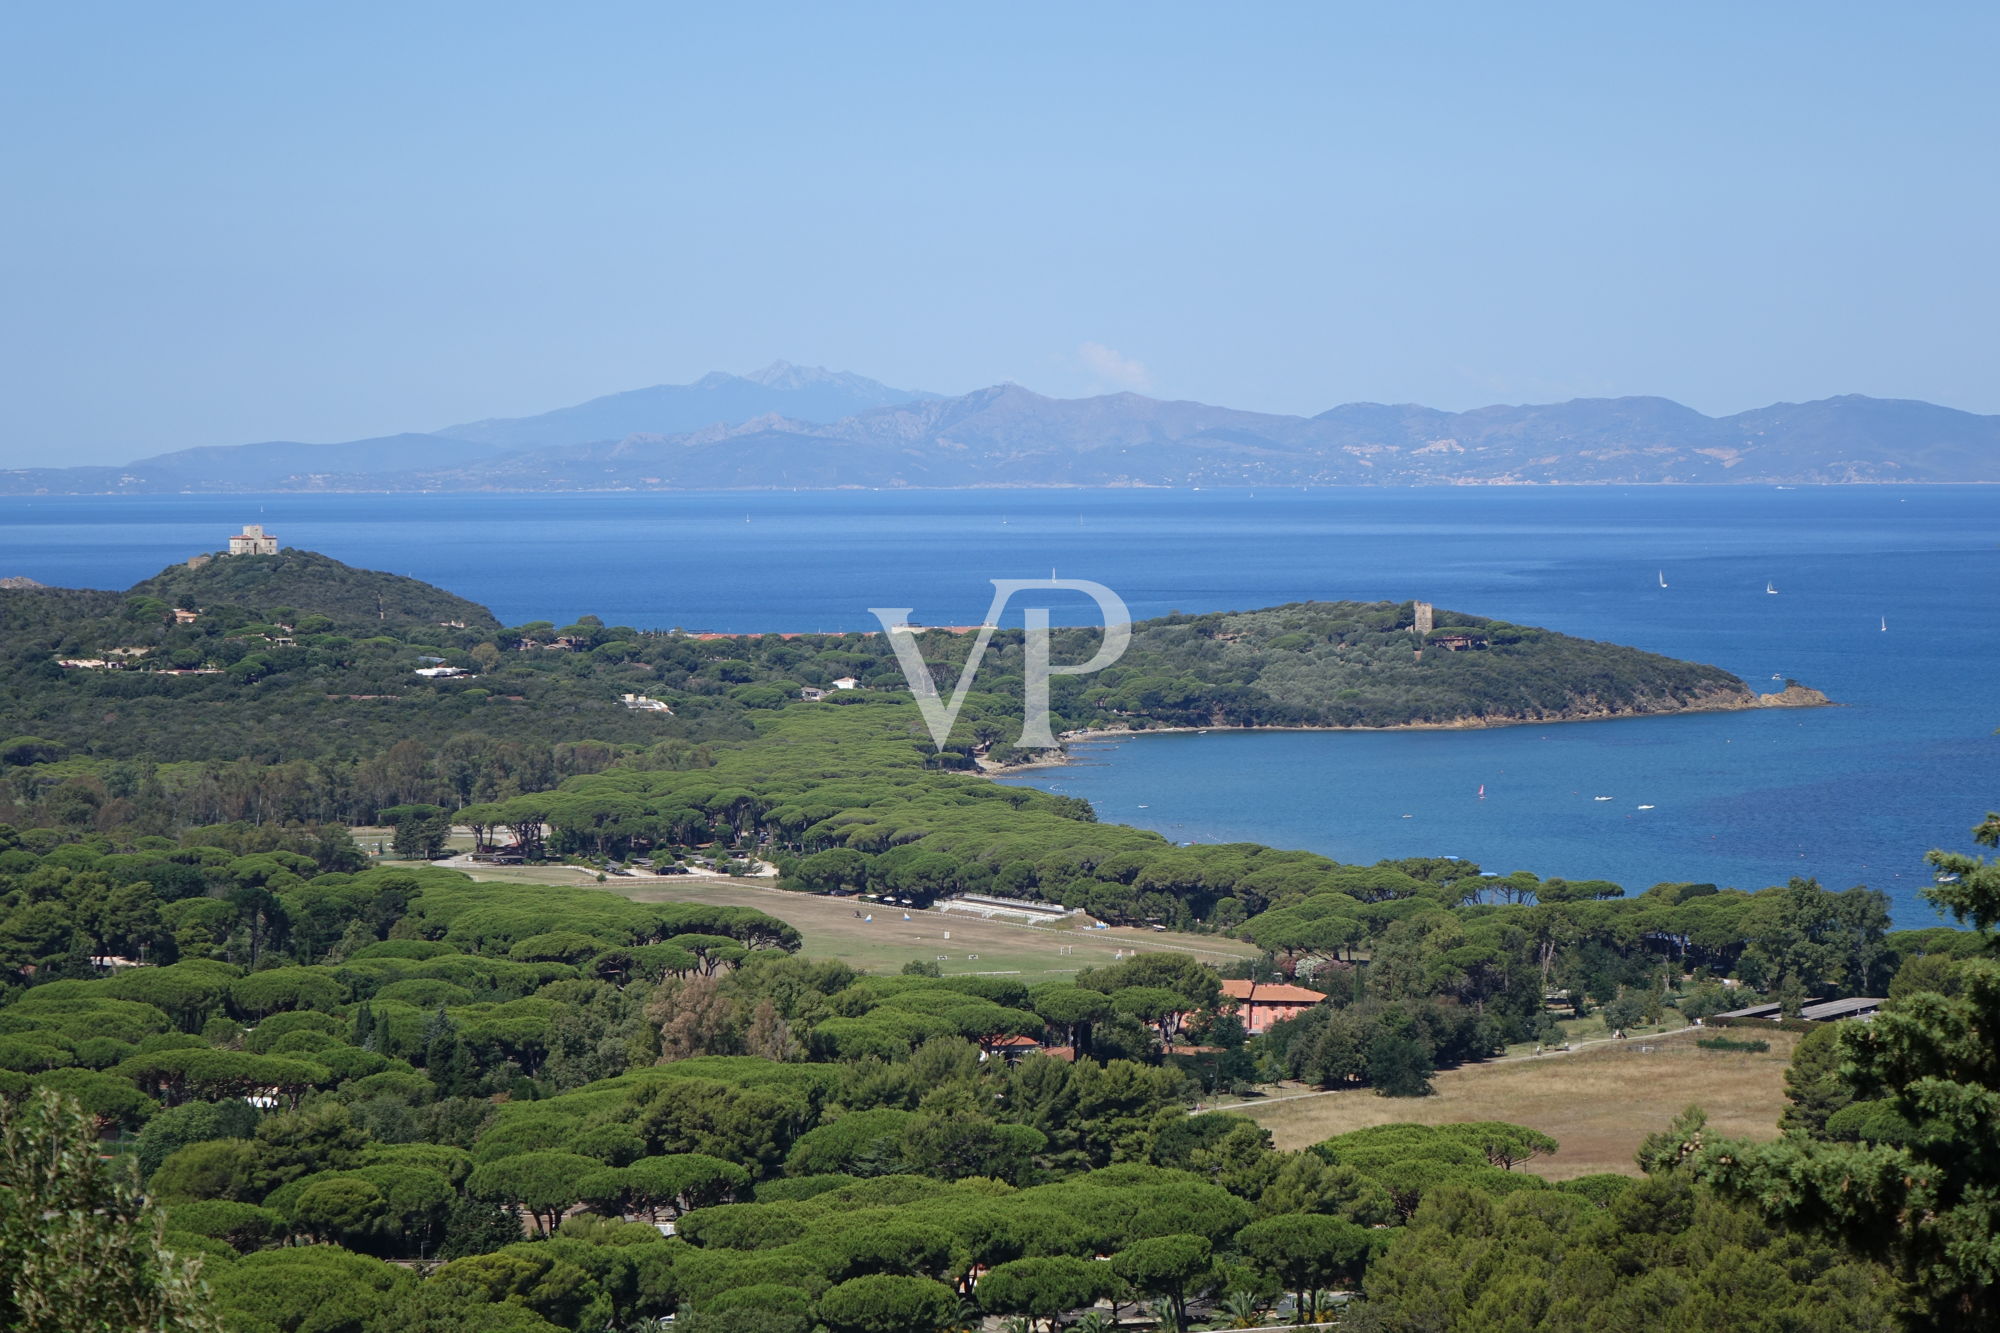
point(832, 929)
point(1597, 1103)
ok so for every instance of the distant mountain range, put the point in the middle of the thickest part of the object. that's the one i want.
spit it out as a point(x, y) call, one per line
point(803, 393)
point(798, 427)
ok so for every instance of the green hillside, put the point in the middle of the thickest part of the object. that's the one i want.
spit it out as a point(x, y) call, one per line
point(1320, 664)
point(1348, 664)
point(312, 673)
point(308, 583)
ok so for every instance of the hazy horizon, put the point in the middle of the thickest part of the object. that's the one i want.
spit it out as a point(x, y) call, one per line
point(237, 224)
point(444, 428)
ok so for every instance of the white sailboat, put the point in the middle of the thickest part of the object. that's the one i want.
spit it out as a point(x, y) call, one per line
point(1885, 624)
point(1663, 578)
point(1771, 588)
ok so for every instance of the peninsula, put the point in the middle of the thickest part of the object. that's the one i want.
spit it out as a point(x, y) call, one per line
point(314, 661)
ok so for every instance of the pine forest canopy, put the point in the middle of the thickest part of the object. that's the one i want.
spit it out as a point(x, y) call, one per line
point(523, 1081)
point(327, 1073)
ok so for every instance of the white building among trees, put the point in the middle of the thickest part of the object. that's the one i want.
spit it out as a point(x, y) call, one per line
point(253, 540)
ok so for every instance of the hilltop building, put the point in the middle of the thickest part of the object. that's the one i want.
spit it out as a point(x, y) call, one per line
point(253, 540)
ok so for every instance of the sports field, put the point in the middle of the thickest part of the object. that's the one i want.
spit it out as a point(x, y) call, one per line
point(1598, 1103)
point(838, 928)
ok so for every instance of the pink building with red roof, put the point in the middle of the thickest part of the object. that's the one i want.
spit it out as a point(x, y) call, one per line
point(1262, 1003)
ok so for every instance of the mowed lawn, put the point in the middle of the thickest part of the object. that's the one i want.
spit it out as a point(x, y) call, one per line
point(1598, 1103)
point(836, 928)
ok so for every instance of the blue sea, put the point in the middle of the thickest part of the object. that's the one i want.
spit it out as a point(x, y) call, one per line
point(1850, 795)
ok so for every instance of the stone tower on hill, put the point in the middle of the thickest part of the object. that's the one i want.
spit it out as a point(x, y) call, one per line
point(253, 541)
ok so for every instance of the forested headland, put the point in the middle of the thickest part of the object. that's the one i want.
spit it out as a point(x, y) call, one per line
point(253, 1079)
point(286, 688)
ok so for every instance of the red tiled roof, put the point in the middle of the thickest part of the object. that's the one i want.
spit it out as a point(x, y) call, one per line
point(1270, 992)
point(1012, 1041)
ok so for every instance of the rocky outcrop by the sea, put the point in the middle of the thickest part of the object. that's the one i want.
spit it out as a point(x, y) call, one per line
point(1794, 695)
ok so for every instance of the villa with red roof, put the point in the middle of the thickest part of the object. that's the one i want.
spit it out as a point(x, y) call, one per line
point(1009, 1047)
point(1262, 1003)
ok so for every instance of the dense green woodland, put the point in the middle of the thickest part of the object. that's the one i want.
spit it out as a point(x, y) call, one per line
point(319, 584)
point(306, 707)
point(514, 1085)
point(346, 1097)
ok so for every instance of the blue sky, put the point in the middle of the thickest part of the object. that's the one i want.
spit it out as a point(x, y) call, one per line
point(231, 222)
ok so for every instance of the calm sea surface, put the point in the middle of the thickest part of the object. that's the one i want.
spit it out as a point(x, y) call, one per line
point(1851, 795)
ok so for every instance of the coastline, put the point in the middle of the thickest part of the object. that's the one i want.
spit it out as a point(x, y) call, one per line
point(1792, 696)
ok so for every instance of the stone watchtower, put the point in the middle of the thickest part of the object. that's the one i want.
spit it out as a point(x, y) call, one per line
point(253, 540)
point(1426, 620)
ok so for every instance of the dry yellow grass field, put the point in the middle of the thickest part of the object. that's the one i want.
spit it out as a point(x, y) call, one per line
point(835, 928)
point(1598, 1103)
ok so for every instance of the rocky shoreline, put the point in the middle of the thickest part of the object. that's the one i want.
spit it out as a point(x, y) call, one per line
point(1794, 695)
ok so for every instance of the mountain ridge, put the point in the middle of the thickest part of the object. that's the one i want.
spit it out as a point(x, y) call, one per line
point(789, 426)
point(812, 393)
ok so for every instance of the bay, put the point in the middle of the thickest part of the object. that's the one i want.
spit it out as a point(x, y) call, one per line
point(1852, 794)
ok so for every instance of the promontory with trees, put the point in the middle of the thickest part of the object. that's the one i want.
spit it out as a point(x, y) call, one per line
point(253, 1079)
point(329, 653)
